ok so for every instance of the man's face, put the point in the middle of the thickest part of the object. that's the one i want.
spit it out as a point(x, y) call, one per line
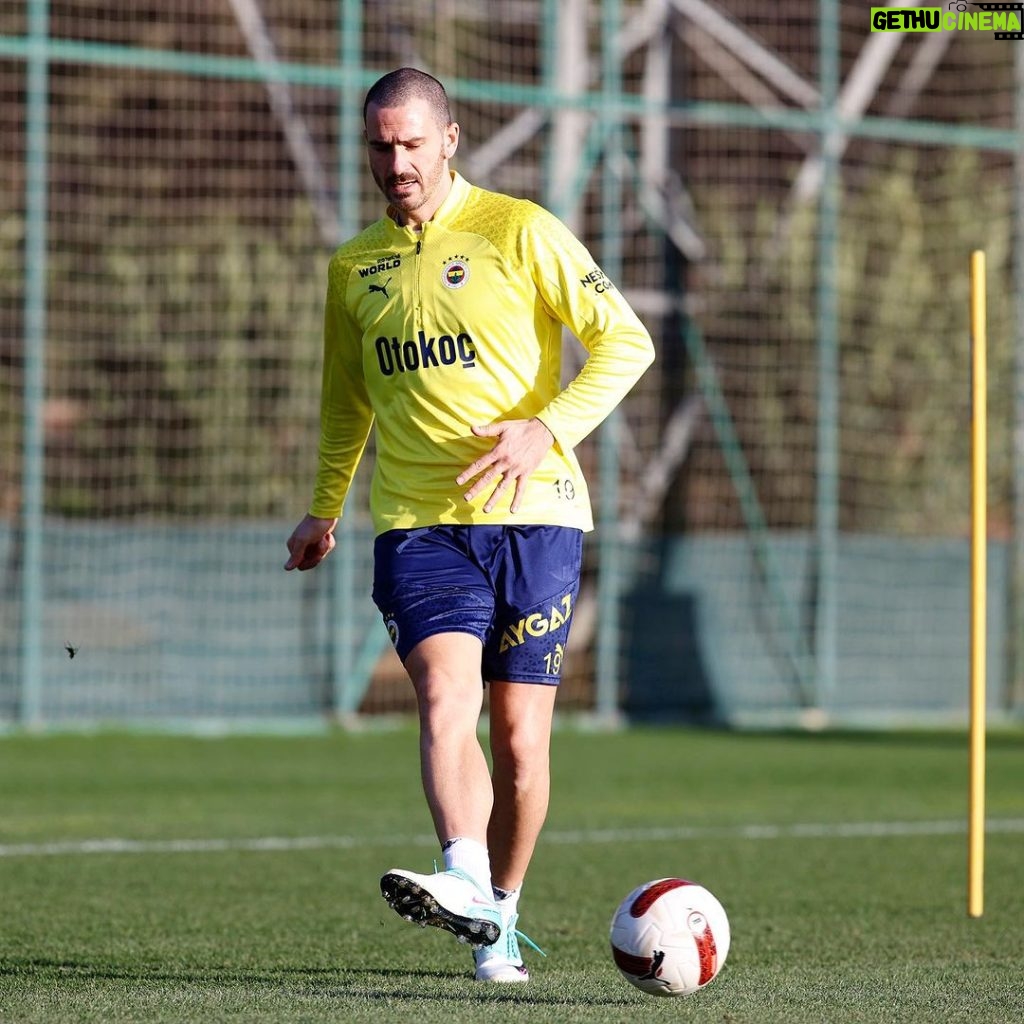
point(409, 155)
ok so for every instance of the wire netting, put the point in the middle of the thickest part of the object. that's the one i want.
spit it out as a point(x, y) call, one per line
point(201, 160)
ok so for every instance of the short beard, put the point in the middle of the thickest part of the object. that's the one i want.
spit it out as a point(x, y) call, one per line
point(411, 203)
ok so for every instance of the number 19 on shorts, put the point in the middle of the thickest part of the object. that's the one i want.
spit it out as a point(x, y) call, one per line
point(553, 660)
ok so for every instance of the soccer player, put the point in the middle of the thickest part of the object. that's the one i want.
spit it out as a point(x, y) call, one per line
point(443, 334)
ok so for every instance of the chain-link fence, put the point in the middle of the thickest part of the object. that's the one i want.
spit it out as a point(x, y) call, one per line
point(789, 200)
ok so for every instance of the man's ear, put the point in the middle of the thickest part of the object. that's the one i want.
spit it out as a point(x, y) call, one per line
point(451, 141)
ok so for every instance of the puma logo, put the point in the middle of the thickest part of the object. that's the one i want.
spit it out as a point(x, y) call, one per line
point(382, 288)
point(656, 962)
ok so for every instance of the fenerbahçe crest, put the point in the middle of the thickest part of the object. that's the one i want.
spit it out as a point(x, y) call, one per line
point(455, 272)
point(537, 624)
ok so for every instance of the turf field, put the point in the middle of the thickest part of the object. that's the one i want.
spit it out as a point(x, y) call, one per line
point(176, 879)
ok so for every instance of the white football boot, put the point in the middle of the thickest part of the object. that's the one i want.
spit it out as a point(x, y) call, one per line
point(446, 899)
point(501, 961)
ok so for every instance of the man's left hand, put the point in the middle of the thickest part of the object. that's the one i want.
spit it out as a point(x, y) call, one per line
point(520, 447)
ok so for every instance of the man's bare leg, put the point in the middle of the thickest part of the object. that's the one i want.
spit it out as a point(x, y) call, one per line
point(449, 694)
point(521, 715)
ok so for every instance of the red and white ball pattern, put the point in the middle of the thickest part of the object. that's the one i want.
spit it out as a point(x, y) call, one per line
point(670, 937)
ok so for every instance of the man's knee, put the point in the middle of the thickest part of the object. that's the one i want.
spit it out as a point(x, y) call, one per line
point(521, 749)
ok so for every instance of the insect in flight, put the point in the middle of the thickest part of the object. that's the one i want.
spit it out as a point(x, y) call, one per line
point(72, 651)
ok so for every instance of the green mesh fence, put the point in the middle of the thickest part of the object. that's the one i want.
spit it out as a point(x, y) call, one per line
point(788, 199)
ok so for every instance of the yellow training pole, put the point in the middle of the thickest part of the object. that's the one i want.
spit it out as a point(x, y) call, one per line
point(979, 550)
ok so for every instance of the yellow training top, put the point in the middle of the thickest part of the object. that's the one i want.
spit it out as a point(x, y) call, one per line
point(427, 334)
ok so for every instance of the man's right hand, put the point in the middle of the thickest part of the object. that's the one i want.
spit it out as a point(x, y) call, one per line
point(310, 543)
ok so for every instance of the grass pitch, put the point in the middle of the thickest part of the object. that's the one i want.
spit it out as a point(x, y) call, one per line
point(177, 879)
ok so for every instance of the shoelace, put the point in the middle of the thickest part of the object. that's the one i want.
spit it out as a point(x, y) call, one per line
point(526, 938)
point(518, 934)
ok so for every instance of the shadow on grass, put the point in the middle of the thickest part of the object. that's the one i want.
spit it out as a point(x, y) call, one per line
point(337, 982)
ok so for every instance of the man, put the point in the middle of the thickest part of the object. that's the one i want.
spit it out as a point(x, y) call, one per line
point(443, 326)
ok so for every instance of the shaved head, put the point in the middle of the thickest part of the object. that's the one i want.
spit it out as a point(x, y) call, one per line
point(397, 88)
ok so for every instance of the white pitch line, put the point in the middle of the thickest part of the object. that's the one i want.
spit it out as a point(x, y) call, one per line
point(579, 837)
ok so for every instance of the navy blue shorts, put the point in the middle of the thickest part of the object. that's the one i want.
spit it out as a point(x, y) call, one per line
point(512, 587)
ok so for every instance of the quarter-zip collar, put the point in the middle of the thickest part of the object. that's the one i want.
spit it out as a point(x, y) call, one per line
point(453, 203)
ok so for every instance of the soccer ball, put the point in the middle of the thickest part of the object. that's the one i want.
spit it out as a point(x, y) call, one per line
point(670, 937)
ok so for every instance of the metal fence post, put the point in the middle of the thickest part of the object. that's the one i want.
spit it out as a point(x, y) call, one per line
point(609, 570)
point(825, 611)
point(34, 443)
point(347, 692)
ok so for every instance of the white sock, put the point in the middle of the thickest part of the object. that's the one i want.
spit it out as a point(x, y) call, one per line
point(470, 856)
point(508, 900)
